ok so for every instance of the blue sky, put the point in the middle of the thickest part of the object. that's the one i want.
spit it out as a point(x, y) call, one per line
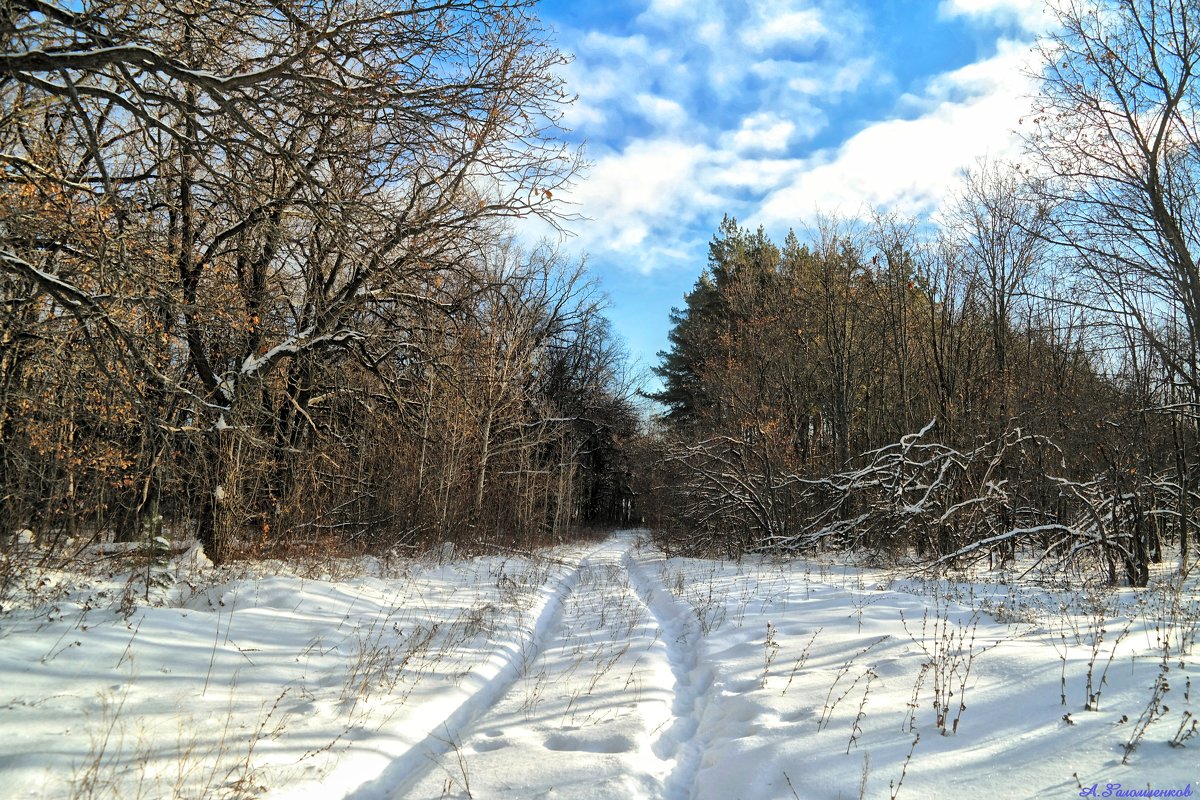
point(772, 111)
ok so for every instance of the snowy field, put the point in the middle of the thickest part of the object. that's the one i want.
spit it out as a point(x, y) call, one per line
point(596, 671)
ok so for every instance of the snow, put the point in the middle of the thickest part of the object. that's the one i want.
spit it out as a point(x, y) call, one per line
point(604, 670)
point(293, 346)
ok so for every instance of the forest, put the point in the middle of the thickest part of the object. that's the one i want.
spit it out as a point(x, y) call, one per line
point(322, 476)
point(261, 285)
point(1018, 374)
point(260, 282)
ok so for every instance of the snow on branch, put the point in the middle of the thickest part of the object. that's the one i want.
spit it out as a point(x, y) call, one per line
point(294, 346)
point(923, 499)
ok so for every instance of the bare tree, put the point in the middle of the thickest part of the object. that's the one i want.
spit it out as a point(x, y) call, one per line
point(998, 225)
point(278, 190)
point(1116, 130)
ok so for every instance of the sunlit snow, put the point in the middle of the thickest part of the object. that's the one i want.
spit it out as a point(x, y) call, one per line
point(604, 670)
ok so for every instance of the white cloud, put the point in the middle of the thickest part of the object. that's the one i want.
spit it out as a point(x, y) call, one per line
point(604, 71)
point(1031, 15)
point(635, 46)
point(762, 131)
point(716, 36)
point(774, 27)
point(643, 196)
point(911, 165)
point(699, 117)
point(755, 175)
point(663, 113)
point(671, 8)
point(902, 165)
point(711, 33)
point(816, 79)
point(651, 182)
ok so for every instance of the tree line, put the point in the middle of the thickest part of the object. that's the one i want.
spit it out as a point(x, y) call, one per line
point(1022, 374)
point(258, 283)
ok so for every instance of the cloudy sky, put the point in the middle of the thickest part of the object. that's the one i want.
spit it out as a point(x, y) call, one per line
point(772, 111)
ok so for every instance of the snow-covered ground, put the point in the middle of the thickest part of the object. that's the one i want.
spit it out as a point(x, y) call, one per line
point(603, 670)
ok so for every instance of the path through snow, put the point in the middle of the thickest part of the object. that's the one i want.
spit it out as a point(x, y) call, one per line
point(598, 671)
point(602, 697)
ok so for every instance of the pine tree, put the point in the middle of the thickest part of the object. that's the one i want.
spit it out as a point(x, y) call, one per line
point(715, 313)
point(692, 328)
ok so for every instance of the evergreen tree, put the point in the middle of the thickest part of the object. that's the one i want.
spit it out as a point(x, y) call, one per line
point(681, 369)
point(719, 310)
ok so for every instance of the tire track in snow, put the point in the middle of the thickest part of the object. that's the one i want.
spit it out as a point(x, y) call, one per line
point(497, 676)
point(585, 708)
point(693, 680)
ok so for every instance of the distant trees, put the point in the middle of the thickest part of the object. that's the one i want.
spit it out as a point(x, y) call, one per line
point(998, 227)
point(1026, 376)
point(247, 249)
point(809, 342)
point(1116, 131)
point(818, 364)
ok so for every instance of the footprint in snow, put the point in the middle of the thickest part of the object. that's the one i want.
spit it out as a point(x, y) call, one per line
point(581, 744)
point(489, 745)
